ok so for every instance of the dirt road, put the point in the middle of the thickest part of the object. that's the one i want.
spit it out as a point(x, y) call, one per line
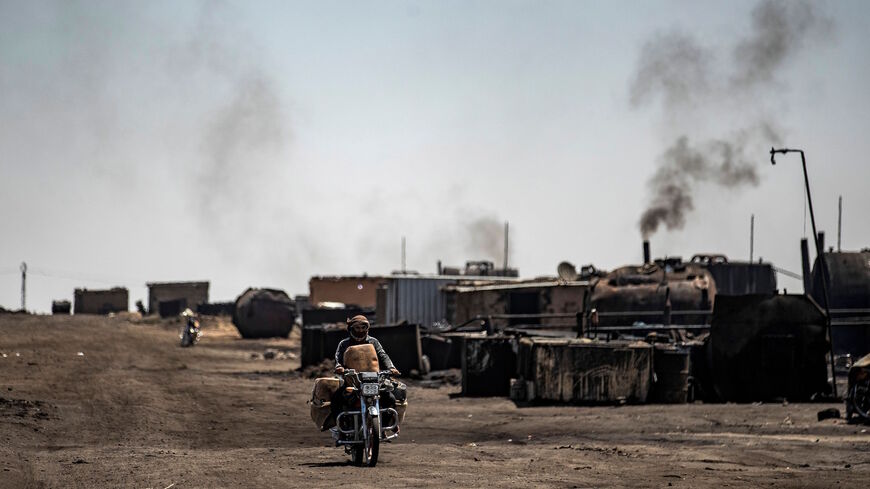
point(114, 402)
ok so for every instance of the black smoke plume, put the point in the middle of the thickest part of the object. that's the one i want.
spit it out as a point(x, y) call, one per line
point(721, 162)
point(681, 72)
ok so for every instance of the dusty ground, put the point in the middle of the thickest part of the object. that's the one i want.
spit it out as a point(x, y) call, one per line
point(135, 410)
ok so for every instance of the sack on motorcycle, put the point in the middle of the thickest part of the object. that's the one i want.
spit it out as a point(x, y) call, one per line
point(401, 407)
point(321, 402)
point(400, 392)
point(362, 358)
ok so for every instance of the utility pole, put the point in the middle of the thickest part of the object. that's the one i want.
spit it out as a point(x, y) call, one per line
point(751, 237)
point(23, 286)
point(403, 254)
point(820, 253)
point(839, 222)
point(505, 246)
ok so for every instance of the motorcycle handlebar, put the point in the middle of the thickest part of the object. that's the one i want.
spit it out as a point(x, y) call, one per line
point(385, 373)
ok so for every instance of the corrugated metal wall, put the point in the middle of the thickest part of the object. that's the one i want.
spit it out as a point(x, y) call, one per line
point(416, 299)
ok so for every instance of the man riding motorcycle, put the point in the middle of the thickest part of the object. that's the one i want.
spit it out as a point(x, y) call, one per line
point(358, 334)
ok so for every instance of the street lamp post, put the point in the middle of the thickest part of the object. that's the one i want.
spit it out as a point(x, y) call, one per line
point(819, 253)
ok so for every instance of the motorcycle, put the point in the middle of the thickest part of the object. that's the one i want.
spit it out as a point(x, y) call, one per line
point(191, 333)
point(359, 427)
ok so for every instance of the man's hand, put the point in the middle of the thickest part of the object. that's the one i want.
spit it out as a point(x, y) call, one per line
point(395, 371)
point(339, 369)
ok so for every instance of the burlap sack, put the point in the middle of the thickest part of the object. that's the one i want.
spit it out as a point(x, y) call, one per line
point(362, 358)
point(321, 401)
point(401, 407)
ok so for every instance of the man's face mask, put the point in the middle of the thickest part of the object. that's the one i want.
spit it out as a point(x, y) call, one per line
point(359, 331)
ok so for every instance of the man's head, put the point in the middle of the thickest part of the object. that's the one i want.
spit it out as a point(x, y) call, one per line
point(358, 327)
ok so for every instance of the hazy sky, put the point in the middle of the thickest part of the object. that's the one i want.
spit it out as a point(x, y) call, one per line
point(261, 143)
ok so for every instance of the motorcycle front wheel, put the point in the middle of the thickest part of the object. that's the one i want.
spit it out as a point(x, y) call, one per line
point(373, 441)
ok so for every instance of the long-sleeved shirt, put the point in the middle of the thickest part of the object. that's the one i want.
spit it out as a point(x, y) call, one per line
point(383, 359)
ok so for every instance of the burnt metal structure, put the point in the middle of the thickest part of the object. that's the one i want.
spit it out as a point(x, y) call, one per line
point(401, 341)
point(819, 253)
point(766, 346)
point(848, 280)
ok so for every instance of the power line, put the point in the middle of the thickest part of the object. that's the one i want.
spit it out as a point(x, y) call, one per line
point(73, 276)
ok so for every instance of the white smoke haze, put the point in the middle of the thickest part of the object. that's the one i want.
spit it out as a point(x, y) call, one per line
point(685, 76)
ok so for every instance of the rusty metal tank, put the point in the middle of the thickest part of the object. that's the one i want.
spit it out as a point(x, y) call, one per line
point(849, 293)
point(848, 279)
point(654, 293)
point(264, 313)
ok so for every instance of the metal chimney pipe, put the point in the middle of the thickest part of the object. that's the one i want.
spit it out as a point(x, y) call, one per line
point(839, 222)
point(751, 237)
point(505, 247)
point(646, 258)
point(821, 243)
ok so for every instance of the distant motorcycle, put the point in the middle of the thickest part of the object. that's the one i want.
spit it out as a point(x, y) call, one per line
point(359, 428)
point(190, 334)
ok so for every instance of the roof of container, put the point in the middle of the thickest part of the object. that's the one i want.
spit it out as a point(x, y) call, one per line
point(189, 284)
point(113, 289)
point(519, 285)
point(418, 276)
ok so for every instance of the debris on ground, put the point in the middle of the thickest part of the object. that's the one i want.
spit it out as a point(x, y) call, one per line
point(23, 408)
point(830, 413)
point(274, 354)
point(326, 368)
point(438, 378)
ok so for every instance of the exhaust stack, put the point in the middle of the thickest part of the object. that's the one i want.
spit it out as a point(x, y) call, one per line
point(646, 258)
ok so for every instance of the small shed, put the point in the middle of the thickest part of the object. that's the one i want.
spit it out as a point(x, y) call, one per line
point(170, 298)
point(61, 307)
point(105, 301)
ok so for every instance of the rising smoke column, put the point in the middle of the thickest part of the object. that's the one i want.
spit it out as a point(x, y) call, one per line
point(485, 238)
point(720, 161)
point(677, 69)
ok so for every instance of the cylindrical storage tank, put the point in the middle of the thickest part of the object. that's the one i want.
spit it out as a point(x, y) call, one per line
point(264, 313)
point(848, 280)
point(641, 294)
